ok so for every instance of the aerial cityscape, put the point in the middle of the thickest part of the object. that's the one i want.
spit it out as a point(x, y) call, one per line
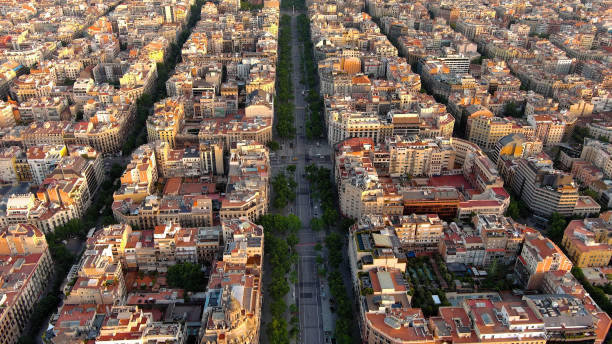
point(305, 171)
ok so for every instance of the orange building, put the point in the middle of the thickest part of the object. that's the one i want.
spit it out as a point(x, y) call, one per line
point(398, 326)
point(351, 65)
point(22, 238)
point(539, 256)
point(441, 201)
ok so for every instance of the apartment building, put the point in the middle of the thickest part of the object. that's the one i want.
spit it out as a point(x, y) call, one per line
point(587, 242)
point(193, 162)
point(485, 129)
point(209, 242)
point(559, 284)
point(557, 309)
point(22, 239)
point(235, 129)
point(539, 255)
point(77, 322)
point(139, 79)
point(599, 154)
point(7, 115)
point(500, 321)
point(462, 244)
point(46, 133)
point(25, 269)
point(146, 251)
point(99, 279)
point(131, 324)
point(77, 166)
point(8, 163)
point(86, 161)
point(362, 171)
point(68, 192)
point(139, 176)
point(416, 157)
point(586, 173)
point(43, 109)
point(373, 249)
point(548, 129)
point(232, 315)
point(398, 326)
point(361, 193)
point(501, 236)
point(416, 233)
point(116, 236)
point(65, 192)
point(46, 215)
point(487, 238)
point(32, 86)
point(43, 160)
point(174, 244)
point(247, 193)
point(544, 189)
point(140, 251)
point(345, 124)
point(516, 146)
point(166, 121)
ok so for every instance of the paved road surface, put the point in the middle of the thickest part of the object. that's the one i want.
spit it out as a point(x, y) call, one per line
point(308, 289)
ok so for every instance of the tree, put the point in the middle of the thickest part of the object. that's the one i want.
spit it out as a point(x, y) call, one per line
point(512, 110)
point(70, 229)
point(284, 190)
point(108, 220)
point(188, 276)
point(291, 168)
point(346, 224)
point(580, 133)
point(292, 240)
point(334, 244)
point(273, 145)
point(316, 224)
point(278, 307)
point(367, 291)
point(524, 210)
point(477, 60)
point(247, 6)
point(345, 320)
point(277, 331)
point(513, 210)
point(293, 223)
point(330, 216)
point(556, 227)
point(278, 224)
point(594, 195)
point(493, 268)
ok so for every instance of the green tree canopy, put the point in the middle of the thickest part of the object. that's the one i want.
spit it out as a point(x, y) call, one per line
point(316, 224)
point(188, 276)
point(273, 145)
point(556, 227)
